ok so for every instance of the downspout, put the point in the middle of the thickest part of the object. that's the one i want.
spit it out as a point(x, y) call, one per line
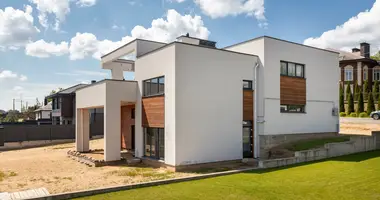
point(255, 130)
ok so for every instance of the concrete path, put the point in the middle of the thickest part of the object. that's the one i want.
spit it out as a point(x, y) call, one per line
point(33, 193)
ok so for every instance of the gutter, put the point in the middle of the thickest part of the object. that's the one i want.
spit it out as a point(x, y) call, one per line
point(255, 130)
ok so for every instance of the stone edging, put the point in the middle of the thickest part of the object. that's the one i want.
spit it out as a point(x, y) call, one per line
point(71, 195)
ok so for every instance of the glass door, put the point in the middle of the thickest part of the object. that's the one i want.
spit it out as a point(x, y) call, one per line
point(247, 142)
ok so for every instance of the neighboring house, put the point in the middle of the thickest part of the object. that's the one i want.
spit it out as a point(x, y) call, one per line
point(357, 66)
point(63, 105)
point(43, 114)
point(192, 103)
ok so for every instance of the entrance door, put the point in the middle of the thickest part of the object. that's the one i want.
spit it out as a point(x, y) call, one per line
point(247, 140)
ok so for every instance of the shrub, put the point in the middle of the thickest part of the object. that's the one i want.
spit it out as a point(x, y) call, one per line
point(353, 115)
point(356, 91)
point(341, 98)
point(342, 114)
point(363, 115)
point(360, 107)
point(348, 90)
point(350, 104)
point(375, 90)
point(370, 104)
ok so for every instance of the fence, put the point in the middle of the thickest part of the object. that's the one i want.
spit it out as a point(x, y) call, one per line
point(22, 133)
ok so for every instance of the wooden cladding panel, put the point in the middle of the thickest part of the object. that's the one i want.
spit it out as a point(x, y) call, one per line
point(292, 90)
point(153, 112)
point(248, 105)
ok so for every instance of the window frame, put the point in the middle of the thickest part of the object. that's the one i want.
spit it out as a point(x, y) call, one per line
point(375, 70)
point(346, 70)
point(250, 85)
point(148, 82)
point(155, 141)
point(303, 108)
point(133, 113)
point(296, 65)
point(365, 73)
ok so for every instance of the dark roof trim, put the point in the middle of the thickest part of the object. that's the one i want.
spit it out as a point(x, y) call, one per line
point(360, 60)
point(194, 38)
point(104, 80)
point(60, 94)
point(281, 41)
point(129, 44)
point(196, 46)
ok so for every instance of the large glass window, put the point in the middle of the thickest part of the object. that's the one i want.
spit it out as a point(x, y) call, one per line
point(365, 73)
point(154, 143)
point(292, 69)
point(154, 86)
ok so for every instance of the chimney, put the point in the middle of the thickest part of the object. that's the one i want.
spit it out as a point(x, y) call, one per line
point(355, 50)
point(93, 81)
point(365, 50)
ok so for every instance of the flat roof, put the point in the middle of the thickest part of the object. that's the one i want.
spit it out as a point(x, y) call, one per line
point(105, 80)
point(253, 39)
point(128, 44)
point(200, 46)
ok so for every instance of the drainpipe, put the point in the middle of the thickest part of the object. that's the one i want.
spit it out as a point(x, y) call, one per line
point(255, 130)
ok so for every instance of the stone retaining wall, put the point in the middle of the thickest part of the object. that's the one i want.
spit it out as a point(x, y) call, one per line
point(355, 145)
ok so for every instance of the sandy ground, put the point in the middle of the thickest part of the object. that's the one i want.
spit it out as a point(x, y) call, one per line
point(49, 167)
point(358, 126)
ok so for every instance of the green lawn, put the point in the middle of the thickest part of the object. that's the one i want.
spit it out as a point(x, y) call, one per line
point(349, 177)
point(316, 143)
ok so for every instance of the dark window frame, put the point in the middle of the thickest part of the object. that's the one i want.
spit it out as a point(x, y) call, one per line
point(147, 87)
point(159, 139)
point(289, 111)
point(133, 113)
point(250, 86)
point(295, 72)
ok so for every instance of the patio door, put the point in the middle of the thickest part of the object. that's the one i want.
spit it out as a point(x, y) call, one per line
point(247, 139)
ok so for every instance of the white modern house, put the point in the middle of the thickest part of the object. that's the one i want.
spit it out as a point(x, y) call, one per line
point(192, 103)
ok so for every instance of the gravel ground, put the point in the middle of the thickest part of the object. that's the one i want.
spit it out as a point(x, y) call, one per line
point(359, 126)
point(49, 167)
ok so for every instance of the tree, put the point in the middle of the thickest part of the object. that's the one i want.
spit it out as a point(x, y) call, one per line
point(350, 100)
point(360, 107)
point(375, 90)
point(53, 92)
point(378, 103)
point(12, 116)
point(348, 90)
point(376, 56)
point(370, 104)
point(356, 91)
point(365, 89)
point(341, 98)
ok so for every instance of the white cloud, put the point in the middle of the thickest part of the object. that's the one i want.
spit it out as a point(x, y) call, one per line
point(86, 3)
point(16, 27)
point(163, 30)
point(116, 27)
point(9, 76)
point(360, 28)
point(57, 9)
point(23, 78)
point(178, 1)
point(43, 49)
point(223, 8)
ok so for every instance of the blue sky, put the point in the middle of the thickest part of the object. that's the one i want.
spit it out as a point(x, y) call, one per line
point(30, 69)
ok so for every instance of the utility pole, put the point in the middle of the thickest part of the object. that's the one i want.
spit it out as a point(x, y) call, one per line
point(14, 104)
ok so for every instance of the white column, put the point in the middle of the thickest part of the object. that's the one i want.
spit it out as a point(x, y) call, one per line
point(359, 73)
point(82, 133)
point(112, 130)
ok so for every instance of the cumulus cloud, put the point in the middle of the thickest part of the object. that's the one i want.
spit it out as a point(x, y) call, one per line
point(163, 30)
point(360, 28)
point(44, 49)
point(9, 75)
point(86, 3)
point(57, 9)
point(16, 27)
point(223, 8)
